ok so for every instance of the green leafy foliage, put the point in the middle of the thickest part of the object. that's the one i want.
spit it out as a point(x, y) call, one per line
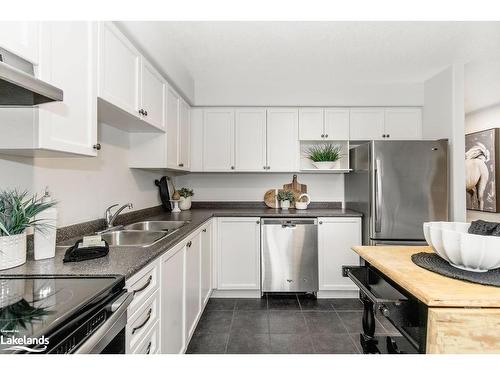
point(324, 152)
point(18, 211)
point(285, 195)
point(186, 192)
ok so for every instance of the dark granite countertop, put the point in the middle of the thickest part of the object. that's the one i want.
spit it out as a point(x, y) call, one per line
point(128, 260)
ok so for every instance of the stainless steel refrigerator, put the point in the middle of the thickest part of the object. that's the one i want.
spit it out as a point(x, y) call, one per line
point(398, 185)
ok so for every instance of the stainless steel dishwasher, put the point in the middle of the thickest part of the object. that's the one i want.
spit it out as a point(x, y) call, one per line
point(289, 255)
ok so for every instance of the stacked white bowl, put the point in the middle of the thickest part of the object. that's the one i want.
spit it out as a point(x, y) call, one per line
point(471, 252)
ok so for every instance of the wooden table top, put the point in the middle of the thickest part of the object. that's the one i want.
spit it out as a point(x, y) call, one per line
point(431, 288)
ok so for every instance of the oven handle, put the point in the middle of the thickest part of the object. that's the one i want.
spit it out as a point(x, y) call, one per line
point(377, 301)
point(111, 327)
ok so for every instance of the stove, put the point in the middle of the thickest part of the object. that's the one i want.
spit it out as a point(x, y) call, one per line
point(63, 314)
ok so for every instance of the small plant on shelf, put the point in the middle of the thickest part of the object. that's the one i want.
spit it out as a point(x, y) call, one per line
point(325, 156)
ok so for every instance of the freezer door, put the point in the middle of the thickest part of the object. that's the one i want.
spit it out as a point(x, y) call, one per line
point(289, 255)
point(409, 187)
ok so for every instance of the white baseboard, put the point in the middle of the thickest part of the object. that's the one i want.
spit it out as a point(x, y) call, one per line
point(216, 293)
point(338, 294)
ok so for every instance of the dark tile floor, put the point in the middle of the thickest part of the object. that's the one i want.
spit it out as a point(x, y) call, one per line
point(293, 324)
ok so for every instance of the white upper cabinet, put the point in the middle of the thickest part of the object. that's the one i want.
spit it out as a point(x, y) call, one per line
point(282, 140)
point(21, 38)
point(119, 64)
point(250, 140)
point(366, 123)
point(336, 124)
point(71, 125)
point(311, 124)
point(152, 101)
point(218, 139)
point(184, 145)
point(238, 253)
point(403, 123)
point(196, 122)
point(173, 102)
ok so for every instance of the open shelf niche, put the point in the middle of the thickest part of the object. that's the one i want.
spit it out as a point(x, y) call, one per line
point(306, 165)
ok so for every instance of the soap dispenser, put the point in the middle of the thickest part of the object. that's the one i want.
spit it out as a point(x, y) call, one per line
point(45, 237)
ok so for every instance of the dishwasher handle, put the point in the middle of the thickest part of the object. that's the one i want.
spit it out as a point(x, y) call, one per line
point(290, 223)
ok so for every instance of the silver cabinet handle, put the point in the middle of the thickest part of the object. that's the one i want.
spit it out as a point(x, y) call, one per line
point(135, 329)
point(150, 278)
point(378, 196)
point(204, 230)
point(189, 244)
point(148, 350)
point(97, 146)
point(181, 164)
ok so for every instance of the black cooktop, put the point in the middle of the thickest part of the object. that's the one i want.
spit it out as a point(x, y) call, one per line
point(38, 306)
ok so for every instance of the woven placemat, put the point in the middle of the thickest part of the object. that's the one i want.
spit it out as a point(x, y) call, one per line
point(434, 263)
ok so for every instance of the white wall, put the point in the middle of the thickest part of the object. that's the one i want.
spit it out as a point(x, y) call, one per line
point(84, 187)
point(269, 93)
point(443, 117)
point(486, 118)
point(252, 186)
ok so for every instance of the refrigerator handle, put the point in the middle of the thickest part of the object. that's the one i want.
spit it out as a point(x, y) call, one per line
point(378, 197)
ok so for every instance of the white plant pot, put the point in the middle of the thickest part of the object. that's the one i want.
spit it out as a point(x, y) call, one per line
point(327, 164)
point(185, 203)
point(285, 205)
point(12, 251)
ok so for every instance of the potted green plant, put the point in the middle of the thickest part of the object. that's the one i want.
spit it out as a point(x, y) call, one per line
point(325, 156)
point(286, 198)
point(18, 212)
point(185, 199)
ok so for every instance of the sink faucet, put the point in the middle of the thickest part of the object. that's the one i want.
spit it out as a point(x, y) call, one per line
point(110, 218)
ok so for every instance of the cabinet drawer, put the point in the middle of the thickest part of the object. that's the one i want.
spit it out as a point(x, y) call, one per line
point(143, 285)
point(139, 324)
point(151, 342)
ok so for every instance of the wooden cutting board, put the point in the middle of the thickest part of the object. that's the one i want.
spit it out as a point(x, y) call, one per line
point(295, 186)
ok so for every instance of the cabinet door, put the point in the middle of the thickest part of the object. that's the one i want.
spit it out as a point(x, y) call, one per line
point(118, 69)
point(193, 268)
point(336, 236)
point(184, 136)
point(206, 263)
point(311, 124)
point(70, 125)
point(172, 303)
point(238, 253)
point(250, 140)
point(173, 101)
point(403, 123)
point(337, 124)
point(366, 123)
point(152, 95)
point(218, 140)
point(196, 129)
point(21, 38)
point(282, 140)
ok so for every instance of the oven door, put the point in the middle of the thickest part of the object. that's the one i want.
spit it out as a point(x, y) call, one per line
point(381, 296)
point(109, 338)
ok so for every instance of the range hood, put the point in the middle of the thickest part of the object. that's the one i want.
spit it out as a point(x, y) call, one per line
point(18, 85)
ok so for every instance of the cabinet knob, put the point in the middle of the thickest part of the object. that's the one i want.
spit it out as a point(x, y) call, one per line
point(141, 111)
point(387, 135)
point(189, 244)
point(232, 167)
point(320, 222)
point(97, 146)
point(145, 113)
point(181, 164)
point(264, 167)
point(257, 222)
point(383, 135)
point(326, 135)
point(204, 230)
point(268, 167)
point(322, 136)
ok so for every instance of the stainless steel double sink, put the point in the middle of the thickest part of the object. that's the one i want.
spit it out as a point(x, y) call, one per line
point(141, 234)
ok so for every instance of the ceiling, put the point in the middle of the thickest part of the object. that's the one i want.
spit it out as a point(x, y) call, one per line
point(239, 53)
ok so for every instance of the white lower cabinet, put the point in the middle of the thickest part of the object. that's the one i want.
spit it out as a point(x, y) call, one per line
point(172, 301)
point(238, 253)
point(192, 282)
point(141, 322)
point(336, 236)
point(206, 263)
